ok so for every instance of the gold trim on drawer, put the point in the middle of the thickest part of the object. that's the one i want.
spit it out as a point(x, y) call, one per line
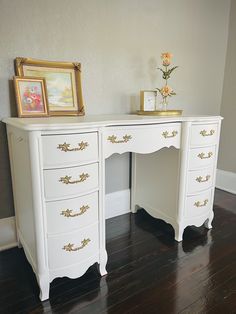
point(113, 139)
point(66, 179)
point(166, 134)
point(69, 212)
point(204, 133)
point(70, 246)
point(202, 155)
point(200, 179)
point(199, 204)
point(66, 147)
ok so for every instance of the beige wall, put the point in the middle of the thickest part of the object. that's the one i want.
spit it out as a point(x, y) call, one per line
point(119, 45)
point(227, 153)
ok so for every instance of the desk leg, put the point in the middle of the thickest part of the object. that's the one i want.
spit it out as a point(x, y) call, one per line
point(179, 230)
point(208, 222)
point(44, 285)
point(103, 262)
point(133, 205)
point(102, 218)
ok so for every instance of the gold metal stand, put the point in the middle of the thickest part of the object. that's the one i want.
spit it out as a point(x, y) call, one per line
point(161, 113)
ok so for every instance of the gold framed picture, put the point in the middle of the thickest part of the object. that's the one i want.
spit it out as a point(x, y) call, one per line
point(31, 96)
point(148, 100)
point(63, 83)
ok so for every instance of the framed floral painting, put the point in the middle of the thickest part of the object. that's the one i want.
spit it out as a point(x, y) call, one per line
point(31, 96)
point(63, 83)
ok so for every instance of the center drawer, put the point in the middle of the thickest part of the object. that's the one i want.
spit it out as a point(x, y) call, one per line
point(66, 182)
point(141, 139)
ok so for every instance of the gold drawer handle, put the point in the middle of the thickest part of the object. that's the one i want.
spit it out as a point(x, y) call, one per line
point(70, 247)
point(69, 212)
point(166, 134)
point(199, 204)
point(82, 178)
point(66, 147)
point(201, 179)
point(113, 138)
point(202, 155)
point(204, 133)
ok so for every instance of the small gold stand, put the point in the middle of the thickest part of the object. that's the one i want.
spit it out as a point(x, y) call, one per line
point(160, 112)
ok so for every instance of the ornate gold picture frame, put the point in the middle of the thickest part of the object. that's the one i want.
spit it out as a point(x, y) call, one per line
point(63, 83)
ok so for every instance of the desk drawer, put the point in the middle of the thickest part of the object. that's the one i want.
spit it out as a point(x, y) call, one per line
point(198, 205)
point(72, 214)
point(60, 183)
point(204, 134)
point(72, 248)
point(199, 180)
point(202, 157)
point(141, 139)
point(69, 149)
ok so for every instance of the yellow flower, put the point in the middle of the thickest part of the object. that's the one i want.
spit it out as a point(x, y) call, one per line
point(166, 58)
point(166, 55)
point(166, 91)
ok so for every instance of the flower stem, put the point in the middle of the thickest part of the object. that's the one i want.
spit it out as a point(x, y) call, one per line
point(166, 71)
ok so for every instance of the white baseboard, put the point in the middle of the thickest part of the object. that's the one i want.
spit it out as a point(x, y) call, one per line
point(7, 233)
point(117, 203)
point(226, 180)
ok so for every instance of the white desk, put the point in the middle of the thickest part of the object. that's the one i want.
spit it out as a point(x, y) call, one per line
point(57, 167)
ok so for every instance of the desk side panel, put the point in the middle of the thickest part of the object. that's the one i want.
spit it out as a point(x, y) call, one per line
point(156, 188)
point(22, 188)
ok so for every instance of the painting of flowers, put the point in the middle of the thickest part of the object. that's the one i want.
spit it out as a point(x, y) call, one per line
point(30, 96)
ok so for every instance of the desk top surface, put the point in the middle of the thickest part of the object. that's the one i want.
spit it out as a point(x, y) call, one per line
point(93, 121)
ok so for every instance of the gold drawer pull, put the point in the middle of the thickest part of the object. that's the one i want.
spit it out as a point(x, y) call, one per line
point(66, 147)
point(199, 204)
point(70, 247)
point(201, 179)
point(204, 133)
point(69, 212)
point(82, 178)
point(202, 155)
point(113, 138)
point(166, 134)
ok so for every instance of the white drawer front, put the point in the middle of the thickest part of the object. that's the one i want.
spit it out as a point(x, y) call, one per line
point(141, 139)
point(202, 157)
point(72, 248)
point(69, 149)
point(65, 182)
point(198, 205)
point(199, 180)
point(204, 134)
point(72, 214)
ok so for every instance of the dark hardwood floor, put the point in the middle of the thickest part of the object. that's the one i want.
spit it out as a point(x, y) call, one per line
point(148, 272)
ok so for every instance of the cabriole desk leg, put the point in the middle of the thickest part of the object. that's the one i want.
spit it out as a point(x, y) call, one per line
point(179, 230)
point(44, 287)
